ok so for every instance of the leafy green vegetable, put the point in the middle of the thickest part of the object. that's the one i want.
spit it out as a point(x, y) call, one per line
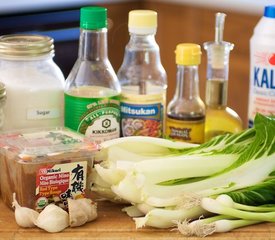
point(260, 194)
point(167, 176)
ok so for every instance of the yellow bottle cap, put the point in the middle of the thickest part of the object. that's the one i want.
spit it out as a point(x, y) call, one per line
point(142, 21)
point(188, 54)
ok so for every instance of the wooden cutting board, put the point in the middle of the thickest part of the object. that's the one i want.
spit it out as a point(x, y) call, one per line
point(113, 224)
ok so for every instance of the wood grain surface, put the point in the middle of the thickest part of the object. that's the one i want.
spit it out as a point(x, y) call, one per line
point(113, 224)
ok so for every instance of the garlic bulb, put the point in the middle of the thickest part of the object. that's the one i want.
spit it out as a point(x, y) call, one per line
point(81, 210)
point(52, 219)
point(24, 217)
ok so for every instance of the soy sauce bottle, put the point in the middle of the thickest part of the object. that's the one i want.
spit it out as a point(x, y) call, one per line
point(186, 111)
point(92, 90)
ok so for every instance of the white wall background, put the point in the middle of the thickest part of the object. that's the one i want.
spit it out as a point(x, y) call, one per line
point(254, 7)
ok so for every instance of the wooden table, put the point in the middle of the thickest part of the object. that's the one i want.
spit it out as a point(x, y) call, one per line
point(114, 224)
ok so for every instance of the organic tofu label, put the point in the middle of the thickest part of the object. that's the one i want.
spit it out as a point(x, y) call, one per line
point(56, 183)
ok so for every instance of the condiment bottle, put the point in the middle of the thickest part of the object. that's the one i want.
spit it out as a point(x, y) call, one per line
point(34, 83)
point(143, 79)
point(262, 67)
point(220, 118)
point(92, 89)
point(186, 111)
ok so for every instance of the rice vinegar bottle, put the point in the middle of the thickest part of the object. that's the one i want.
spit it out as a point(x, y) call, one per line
point(92, 90)
point(142, 78)
point(186, 111)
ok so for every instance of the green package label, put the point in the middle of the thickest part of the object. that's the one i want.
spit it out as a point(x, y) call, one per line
point(98, 118)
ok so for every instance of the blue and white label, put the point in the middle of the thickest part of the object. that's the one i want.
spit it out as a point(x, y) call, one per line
point(140, 110)
point(141, 120)
point(264, 78)
point(262, 85)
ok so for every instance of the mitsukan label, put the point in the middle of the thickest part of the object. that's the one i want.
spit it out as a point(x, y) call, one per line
point(140, 110)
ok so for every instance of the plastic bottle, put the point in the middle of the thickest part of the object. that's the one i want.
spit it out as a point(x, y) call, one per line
point(143, 79)
point(34, 83)
point(92, 89)
point(186, 111)
point(220, 118)
point(262, 67)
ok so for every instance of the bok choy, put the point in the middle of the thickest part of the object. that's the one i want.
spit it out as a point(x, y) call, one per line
point(172, 178)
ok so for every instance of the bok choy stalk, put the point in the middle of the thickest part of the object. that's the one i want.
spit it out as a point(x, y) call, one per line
point(132, 149)
point(214, 206)
point(163, 218)
point(228, 201)
point(237, 214)
point(159, 160)
point(207, 226)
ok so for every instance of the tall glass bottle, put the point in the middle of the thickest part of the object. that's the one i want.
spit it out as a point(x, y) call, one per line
point(142, 78)
point(186, 111)
point(219, 117)
point(92, 89)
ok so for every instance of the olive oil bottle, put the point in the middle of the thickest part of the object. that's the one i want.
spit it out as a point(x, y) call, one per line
point(220, 118)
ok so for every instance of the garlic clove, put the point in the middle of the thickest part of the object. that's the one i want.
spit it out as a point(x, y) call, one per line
point(24, 217)
point(77, 215)
point(52, 219)
point(89, 207)
point(81, 210)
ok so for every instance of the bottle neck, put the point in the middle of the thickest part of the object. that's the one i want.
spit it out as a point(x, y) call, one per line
point(143, 49)
point(216, 85)
point(148, 39)
point(93, 45)
point(187, 82)
point(217, 74)
point(216, 93)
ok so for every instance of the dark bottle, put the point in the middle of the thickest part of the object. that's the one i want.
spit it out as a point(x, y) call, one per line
point(186, 111)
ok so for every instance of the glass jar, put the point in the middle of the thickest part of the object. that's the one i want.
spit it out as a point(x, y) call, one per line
point(2, 103)
point(34, 83)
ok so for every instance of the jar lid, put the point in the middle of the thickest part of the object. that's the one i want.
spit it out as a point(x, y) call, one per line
point(2, 90)
point(93, 17)
point(188, 54)
point(142, 21)
point(25, 45)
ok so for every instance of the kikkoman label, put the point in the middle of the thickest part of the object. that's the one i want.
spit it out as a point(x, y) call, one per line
point(97, 118)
